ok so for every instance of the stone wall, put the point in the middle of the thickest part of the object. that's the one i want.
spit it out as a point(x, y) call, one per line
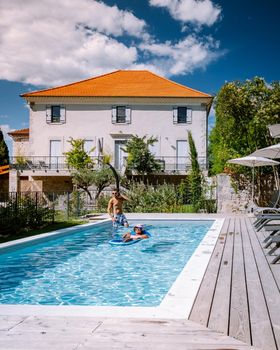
point(54, 183)
point(228, 201)
point(33, 186)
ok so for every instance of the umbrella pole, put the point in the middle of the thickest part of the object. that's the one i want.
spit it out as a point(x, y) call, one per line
point(253, 185)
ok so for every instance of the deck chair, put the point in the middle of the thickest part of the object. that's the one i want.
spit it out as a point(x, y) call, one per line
point(29, 165)
point(272, 238)
point(265, 221)
point(272, 208)
point(272, 205)
point(275, 240)
point(277, 258)
point(43, 165)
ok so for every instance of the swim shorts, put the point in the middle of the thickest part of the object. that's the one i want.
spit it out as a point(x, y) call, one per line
point(120, 219)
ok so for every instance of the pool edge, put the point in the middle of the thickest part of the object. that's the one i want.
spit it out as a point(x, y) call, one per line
point(176, 304)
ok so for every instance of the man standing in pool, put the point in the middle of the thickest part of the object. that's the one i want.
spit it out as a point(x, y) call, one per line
point(115, 208)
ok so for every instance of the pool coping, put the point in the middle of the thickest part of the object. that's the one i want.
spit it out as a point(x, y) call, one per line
point(176, 304)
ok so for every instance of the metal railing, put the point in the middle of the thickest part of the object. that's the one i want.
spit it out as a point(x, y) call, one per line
point(172, 164)
point(24, 209)
point(169, 164)
point(42, 163)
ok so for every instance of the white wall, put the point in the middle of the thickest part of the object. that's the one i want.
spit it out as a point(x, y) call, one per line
point(20, 148)
point(91, 121)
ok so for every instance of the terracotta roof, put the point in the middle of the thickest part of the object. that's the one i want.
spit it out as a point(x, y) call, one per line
point(21, 132)
point(122, 83)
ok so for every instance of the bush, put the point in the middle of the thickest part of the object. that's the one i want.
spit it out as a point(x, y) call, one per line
point(148, 199)
point(166, 198)
point(24, 213)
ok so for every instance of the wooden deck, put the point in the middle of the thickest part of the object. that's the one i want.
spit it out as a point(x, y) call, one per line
point(237, 307)
point(239, 295)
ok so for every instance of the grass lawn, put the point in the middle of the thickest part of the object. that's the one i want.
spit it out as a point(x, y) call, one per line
point(49, 228)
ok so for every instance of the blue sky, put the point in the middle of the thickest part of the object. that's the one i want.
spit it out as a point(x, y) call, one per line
point(201, 44)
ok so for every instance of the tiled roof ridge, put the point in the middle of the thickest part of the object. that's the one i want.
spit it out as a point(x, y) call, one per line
point(147, 73)
point(66, 85)
point(174, 82)
point(20, 131)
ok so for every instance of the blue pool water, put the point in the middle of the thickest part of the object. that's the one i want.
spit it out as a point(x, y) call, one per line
point(81, 268)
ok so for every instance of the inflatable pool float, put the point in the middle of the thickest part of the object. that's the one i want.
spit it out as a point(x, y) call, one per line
point(119, 241)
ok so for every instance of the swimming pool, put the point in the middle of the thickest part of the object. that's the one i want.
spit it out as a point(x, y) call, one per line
point(82, 269)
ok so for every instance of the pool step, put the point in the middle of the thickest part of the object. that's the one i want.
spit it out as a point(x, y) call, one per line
point(93, 217)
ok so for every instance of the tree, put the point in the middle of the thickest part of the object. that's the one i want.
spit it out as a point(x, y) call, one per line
point(243, 112)
point(4, 152)
point(100, 178)
point(83, 172)
point(195, 177)
point(140, 159)
point(81, 165)
point(77, 158)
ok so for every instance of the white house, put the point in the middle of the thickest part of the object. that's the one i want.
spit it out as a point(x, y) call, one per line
point(106, 111)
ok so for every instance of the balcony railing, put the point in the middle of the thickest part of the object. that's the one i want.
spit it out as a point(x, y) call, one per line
point(171, 164)
point(168, 164)
point(42, 163)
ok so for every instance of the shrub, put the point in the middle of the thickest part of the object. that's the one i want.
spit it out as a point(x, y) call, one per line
point(24, 213)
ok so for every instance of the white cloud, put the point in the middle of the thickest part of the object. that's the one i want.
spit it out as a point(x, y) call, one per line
point(184, 56)
point(51, 42)
point(200, 12)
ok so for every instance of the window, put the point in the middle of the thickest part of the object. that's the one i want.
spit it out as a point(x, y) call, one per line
point(89, 147)
point(56, 114)
point(120, 154)
point(121, 115)
point(55, 154)
point(182, 115)
point(182, 151)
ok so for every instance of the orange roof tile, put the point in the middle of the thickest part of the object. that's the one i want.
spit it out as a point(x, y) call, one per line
point(122, 83)
point(20, 132)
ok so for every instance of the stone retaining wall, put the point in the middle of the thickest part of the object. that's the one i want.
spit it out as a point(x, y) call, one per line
point(228, 201)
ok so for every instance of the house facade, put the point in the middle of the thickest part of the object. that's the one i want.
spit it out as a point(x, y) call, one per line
point(106, 111)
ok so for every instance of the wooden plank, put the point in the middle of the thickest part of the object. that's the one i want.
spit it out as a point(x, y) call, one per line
point(274, 268)
point(239, 326)
point(168, 334)
point(261, 333)
point(202, 305)
point(219, 315)
point(269, 285)
point(72, 333)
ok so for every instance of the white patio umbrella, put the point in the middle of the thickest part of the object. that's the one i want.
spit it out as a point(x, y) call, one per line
point(268, 152)
point(253, 161)
point(274, 130)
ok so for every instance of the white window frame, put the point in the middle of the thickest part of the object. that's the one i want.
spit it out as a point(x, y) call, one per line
point(49, 115)
point(115, 115)
point(188, 115)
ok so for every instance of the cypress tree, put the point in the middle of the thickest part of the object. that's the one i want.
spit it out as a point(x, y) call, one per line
point(195, 179)
point(4, 152)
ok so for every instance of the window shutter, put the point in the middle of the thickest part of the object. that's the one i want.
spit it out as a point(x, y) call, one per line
point(128, 115)
point(62, 114)
point(189, 115)
point(175, 115)
point(48, 114)
point(114, 115)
